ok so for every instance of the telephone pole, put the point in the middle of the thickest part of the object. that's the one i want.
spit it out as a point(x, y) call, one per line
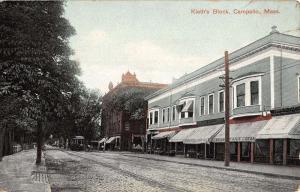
point(227, 143)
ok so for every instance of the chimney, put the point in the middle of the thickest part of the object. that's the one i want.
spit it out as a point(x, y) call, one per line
point(274, 29)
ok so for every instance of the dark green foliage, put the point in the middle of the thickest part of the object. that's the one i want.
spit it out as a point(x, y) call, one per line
point(130, 100)
point(34, 50)
point(36, 72)
point(88, 117)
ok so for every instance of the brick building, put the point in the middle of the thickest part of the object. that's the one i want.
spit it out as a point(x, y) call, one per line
point(121, 131)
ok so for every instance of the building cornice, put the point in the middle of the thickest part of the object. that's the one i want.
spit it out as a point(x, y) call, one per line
point(235, 57)
point(196, 80)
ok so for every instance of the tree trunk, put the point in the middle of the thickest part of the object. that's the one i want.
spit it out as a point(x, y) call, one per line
point(39, 143)
point(65, 142)
point(10, 142)
point(2, 131)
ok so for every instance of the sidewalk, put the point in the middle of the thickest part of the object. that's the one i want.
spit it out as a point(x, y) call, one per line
point(262, 169)
point(18, 172)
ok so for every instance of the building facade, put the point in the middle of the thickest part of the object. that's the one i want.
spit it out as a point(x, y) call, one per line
point(120, 130)
point(187, 117)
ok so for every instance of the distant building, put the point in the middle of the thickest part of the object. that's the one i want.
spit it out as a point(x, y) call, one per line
point(121, 131)
point(187, 117)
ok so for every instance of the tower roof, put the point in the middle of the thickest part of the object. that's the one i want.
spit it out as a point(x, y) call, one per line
point(129, 78)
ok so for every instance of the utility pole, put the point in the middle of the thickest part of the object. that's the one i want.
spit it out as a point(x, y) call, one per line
point(227, 143)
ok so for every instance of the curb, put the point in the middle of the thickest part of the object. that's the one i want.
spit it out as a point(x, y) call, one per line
point(223, 168)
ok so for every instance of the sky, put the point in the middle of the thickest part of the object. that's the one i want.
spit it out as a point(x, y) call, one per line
point(163, 40)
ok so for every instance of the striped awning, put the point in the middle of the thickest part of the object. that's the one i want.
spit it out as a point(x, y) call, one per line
point(188, 106)
point(181, 135)
point(165, 134)
point(241, 132)
point(281, 127)
point(78, 137)
point(110, 139)
point(102, 140)
point(203, 134)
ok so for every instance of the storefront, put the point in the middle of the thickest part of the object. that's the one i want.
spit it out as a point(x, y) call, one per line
point(161, 144)
point(113, 143)
point(293, 152)
point(199, 143)
point(279, 141)
point(177, 140)
point(242, 140)
point(137, 142)
point(274, 141)
point(101, 144)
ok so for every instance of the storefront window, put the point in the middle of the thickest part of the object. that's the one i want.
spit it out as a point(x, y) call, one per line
point(245, 149)
point(232, 148)
point(294, 149)
point(262, 150)
point(219, 151)
point(179, 147)
point(278, 150)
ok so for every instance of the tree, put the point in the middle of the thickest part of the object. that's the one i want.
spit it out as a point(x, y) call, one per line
point(35, 60)
point(130, 100)
point(81, 114)
point(88, 118)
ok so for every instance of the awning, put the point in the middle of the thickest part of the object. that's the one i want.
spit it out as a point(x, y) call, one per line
point(203, 134)
point(188, 106)
point(181, 135)
point(280, 127)
point(102, 140)
point(166, 134)
point(78, 137)
point(180, 106)
point(110, 139)
point(241, 132)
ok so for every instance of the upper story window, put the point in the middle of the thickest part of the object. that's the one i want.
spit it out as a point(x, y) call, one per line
point(221, 101)
point(240, 95)
point(174, 111)
point(202, 105)
point(153, 116)
point(210, 103)
point(186, 108)
point(168, 114)
point(247, 91)
point(254, 92)
point(163, 115)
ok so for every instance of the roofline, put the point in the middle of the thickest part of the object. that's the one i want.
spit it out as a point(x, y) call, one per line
point(231, 60)
point(143, 85)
